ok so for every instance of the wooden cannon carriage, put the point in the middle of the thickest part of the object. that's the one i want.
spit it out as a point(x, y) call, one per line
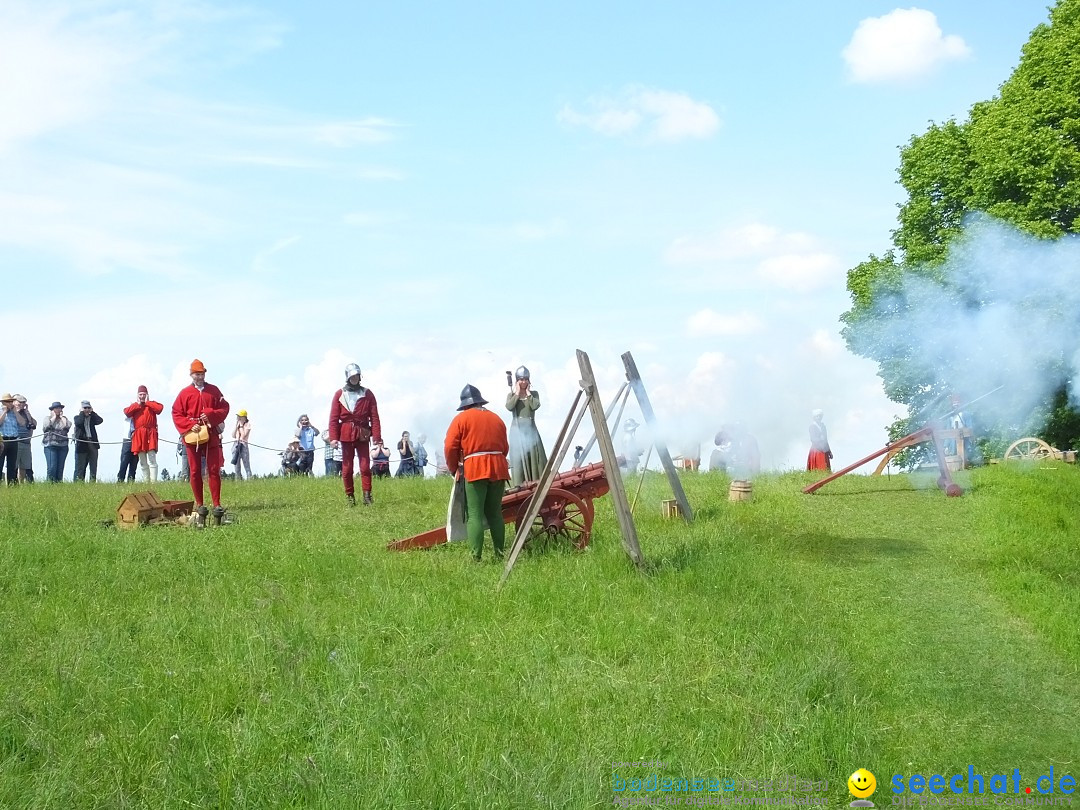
point(565, 515)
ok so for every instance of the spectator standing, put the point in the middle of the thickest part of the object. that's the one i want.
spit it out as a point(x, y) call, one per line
point(305, 434)
point(354, 422)
point(291, 457)
point(380, 462)
point(86, 442)
point(476, 442)
point(55, 442)
point(241, 452)
point(421, 454)
point(27, 425)
point(128, 460)
point(9, 434)
point(331, 456)
point(182, 462)
point(201, 405)
point(407, 466)
point(144, 442)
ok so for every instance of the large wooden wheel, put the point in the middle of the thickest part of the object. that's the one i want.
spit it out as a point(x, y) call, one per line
point(1029, 449)
point(564, 517)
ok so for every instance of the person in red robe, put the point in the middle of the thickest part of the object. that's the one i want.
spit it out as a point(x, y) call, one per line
point(143, 413)
point(354, 423)
point(820, 456)
point(202, 405)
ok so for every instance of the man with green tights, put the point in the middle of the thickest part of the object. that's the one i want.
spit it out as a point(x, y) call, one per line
point(476, 447)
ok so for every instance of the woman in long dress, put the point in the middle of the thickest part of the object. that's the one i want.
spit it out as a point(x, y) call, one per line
point(527, 455)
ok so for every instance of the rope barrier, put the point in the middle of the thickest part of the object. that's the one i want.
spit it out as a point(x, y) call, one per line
point(77, 439)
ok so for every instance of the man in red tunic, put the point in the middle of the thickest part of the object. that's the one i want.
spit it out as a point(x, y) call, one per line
point(476, 439)
point(354, 422)
point(143, 413)
point(202, 405)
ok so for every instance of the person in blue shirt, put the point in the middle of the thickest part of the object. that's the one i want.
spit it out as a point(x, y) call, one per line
point(305, 434)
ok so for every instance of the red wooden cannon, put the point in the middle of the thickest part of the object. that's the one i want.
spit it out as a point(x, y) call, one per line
point(567, 512)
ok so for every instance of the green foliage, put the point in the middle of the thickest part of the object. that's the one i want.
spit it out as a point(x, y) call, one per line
point(1017, 158)
point(289, 660)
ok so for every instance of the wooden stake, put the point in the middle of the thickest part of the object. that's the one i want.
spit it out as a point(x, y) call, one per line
point(624, 392)
point(543, 486)
point(638, 387)
point(611, 466)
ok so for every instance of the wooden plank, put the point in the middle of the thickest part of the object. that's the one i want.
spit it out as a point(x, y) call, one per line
point(624, 391)
point(918, 437)
point(611, 464)
point(558, 453)
point(638, 387)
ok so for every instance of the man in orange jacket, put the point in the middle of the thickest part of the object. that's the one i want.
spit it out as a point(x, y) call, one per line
point(476, 441)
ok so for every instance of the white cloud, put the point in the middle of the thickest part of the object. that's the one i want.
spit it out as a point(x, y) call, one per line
point(708, 323)
point(537, 231)
point(350, 133)
point(370, 219)
point(55, 72)
point(757, 254)
point(661, 115)
point(903, 44)
point(108, 168)
point(261, 262)
point(800, 272)
point(741, 242)
point(710, 364)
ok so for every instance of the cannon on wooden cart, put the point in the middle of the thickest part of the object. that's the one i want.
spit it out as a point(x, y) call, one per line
point(565, 515)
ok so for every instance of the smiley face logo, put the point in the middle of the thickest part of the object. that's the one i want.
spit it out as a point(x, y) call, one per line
point(861, 783)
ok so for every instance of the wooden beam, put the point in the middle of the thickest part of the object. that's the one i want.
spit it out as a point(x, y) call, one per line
point(638, 387)
point(558, 453)
point(918, 437)
point(611, 464)
point(624, 391)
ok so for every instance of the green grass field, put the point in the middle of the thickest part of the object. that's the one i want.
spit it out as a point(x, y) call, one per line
point(288, 660)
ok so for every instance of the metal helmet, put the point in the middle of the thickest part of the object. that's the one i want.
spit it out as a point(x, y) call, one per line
point(350, 370)
point(521, 373)
point(470, 396)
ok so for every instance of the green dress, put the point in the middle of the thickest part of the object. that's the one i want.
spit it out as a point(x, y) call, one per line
point(527, 455)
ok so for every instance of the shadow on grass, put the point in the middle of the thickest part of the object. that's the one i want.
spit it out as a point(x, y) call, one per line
point(853, 550)
point(879, 490)
point(679, 558)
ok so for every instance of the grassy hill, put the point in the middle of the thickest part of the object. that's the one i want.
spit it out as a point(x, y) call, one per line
point(288, 660)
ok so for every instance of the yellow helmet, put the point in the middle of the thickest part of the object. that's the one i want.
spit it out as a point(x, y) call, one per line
point(241, 412)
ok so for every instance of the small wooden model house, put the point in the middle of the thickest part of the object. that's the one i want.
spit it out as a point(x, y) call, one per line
point(140, 508)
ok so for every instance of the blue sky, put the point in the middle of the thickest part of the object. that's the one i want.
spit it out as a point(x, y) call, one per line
point(441, 192)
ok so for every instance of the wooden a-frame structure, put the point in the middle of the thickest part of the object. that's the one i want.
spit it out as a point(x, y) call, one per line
point(602, 437)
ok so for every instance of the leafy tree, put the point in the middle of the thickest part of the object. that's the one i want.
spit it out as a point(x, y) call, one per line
point(1016, 158)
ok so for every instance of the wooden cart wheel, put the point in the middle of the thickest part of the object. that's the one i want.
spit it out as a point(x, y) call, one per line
point(563, 516)
point(1029, 449)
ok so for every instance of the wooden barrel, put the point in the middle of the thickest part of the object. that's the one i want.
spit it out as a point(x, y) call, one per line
point(740, 491)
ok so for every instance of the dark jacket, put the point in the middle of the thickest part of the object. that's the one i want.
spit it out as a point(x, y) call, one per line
point(81, 422)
